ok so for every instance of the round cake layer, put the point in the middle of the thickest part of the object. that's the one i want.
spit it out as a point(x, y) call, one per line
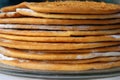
point(60, 28)
point(67, 7)
point(39, 55)
point(31, 13)
point(77, 7)
point(46, 21)
point(53, 46)
point(106, 63)
point(43, 33)
point(63, 39)
point(13, 7)
point(93, 60)
point(94, 50)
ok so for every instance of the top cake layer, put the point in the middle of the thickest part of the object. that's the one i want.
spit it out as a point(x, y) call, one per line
point(70, 7)
point(76, 7)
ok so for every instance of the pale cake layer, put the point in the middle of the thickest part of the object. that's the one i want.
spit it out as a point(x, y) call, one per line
point(41, 65)
point(10, 15)
point(92, 60)
point(66, 28)
point(39, 55)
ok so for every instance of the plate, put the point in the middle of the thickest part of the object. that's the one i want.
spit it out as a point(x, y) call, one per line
point(91, 74)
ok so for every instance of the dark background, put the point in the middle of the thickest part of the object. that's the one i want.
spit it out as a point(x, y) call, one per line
point(12, 2)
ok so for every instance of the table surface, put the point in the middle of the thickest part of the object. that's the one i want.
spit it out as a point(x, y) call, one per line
point(8, 77)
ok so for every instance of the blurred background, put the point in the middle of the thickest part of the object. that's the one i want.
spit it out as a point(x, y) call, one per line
point(12, 2)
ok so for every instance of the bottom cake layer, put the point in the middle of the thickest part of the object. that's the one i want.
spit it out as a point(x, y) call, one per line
point(44, 65)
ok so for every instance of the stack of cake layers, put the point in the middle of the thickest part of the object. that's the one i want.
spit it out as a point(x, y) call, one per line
point(61, 36)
